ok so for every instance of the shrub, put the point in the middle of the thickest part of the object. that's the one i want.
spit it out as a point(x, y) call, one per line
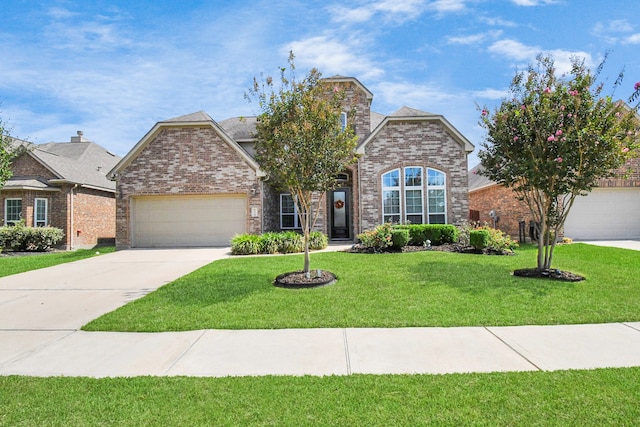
point(399, 238)
point(269, 243)
point(35, 239)
point(479, 239)
point(438, 234)
point(377, 239)
point(500, 241)
point(290, 242)
point(318, 240)
point(245, 244)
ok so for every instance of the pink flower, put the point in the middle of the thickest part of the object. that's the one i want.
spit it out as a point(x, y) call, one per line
point(335, 89)
point(515, 138)
point(558, 159)
point(523, 107)
point(485, 112)
point(625, 150)
point(573, 92)
point(547, 90)
point(558, 132)
point(551, 138)
point(569, 115)
point(636, 86)
point(618, 114)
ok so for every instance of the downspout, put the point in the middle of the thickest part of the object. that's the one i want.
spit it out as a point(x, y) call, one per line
point(359, 203)
point(71, 225)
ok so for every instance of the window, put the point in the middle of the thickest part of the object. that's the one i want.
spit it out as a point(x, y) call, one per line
point(12, 211)
point(411, 182)
point(288, 212)
point(437, 202)
point(391, 196)
point(413, 195)
point(343, 120)
point(40, 213)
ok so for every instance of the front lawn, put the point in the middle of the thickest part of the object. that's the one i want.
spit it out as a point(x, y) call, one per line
point(600, 397)
point(19, 264)
point(392, 290)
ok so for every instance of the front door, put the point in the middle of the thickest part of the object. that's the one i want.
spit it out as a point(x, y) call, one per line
point(340, 214)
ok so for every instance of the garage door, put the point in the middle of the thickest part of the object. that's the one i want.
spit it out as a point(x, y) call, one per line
point(605, 214)
point(186, 220)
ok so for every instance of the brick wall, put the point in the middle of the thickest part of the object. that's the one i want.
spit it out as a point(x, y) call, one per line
point(26, 166)
point(93, 218)
point(186, 161)
point(412, 143)
point(503, 201)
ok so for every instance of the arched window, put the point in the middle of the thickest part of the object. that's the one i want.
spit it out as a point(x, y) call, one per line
point(410, 182)
point(436, 197)
point(391, 196)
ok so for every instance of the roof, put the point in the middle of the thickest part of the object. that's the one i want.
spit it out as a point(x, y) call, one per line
point(344, 79)
point(201, 119)
point(15, 183)
point(83, 163)
point(241, 129)
point(477, 181)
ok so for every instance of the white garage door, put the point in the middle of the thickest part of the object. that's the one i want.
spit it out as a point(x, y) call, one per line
point(186, 220)
point(605, 214)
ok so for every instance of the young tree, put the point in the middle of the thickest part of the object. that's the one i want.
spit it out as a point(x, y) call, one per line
point(551, 141)
point(5, 154)
point(301, 143)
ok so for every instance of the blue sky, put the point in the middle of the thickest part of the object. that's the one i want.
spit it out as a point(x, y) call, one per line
point(114, 68)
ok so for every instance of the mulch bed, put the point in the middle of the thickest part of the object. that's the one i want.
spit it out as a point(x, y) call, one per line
point(449, 247)
point(298, 279)
point(552, 274)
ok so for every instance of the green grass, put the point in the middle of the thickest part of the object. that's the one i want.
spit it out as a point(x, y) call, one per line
point(604, 397)
point(19, 264)
point(392, 290)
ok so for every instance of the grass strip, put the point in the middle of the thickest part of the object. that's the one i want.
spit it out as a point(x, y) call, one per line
point(19, 264)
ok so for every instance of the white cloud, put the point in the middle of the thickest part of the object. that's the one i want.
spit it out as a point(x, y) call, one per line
point(612, 30)
point(529, 3)
point(514, 50)
point(333, 57)
point(473, 38)
point(497, 22)
point(494, 94)
point(632, 39)
point(447, 6)
point(394, 10)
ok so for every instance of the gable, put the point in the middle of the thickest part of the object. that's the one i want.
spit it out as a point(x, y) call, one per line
point(182, 144)
point(26, 165)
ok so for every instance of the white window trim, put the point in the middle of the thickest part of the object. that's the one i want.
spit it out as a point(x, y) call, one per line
point(296, 216)
point(398, 189)
point(35, 211)
point(6, 210)
point(343, 121)
point(436, 187)
point(413, 187)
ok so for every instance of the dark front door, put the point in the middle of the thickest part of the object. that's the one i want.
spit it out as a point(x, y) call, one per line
point(340, 214)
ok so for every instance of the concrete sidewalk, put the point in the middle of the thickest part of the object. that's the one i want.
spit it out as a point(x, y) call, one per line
point(219, 353)
point(41, 312)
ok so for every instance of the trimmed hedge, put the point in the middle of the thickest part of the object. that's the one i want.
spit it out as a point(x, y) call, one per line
point(438, 234)
point(285, 242)
point(399, 238)
point(479, 239)
point(32, 239)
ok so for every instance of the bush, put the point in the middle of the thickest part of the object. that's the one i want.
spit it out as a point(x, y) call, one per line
point(318, 240)
point(377, 239)
point(500, 241)
point(399, 238)
point(438, 234)
point(269, 243)
point(246, 244)
point(479, 239)
point(33, 239)
point(290, 242)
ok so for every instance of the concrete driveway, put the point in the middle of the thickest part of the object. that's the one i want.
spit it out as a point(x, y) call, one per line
point(624, 244)
point(67, 296)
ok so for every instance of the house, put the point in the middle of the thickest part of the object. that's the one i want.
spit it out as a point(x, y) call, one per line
point(609, 211)
point(64, 185)
point(191, 181)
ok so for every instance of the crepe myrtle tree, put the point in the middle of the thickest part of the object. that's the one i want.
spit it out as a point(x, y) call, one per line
point(6, 154)
point(301, 142)
point(552, 139)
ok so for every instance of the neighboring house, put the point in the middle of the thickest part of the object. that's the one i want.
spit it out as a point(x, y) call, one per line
point(191, 181)
point(63, 185)
point(610, 211)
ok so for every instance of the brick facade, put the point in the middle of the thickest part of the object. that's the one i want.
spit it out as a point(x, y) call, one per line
point(93, 217)
point(185, 160)
point(424, 143)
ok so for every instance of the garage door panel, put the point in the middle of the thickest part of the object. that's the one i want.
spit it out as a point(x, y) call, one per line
point(187, 221)
point(606, 213)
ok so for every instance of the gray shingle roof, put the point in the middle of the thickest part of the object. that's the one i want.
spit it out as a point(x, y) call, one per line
point(84, 163)
point(240, 128)
point(409, 112)
point(199, 116)
point(477, 181)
